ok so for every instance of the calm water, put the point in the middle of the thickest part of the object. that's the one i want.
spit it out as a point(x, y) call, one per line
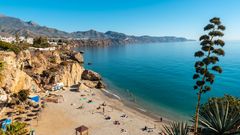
point(159, 76)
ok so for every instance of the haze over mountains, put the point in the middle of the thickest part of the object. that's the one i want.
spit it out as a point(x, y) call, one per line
point(11, 26)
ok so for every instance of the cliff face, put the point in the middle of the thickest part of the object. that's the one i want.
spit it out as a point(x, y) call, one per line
point(39, 70)
point(13, 79)
point(69, 74)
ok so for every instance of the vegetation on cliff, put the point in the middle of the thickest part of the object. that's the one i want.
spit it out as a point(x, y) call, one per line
point(9, 47)
point(40, 42)
point(16, 128)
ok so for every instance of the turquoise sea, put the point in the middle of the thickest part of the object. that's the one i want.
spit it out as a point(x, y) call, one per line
point(158, 77)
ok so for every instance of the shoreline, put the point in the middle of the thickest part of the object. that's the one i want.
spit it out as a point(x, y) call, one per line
point(72, 117)
point(134, 106)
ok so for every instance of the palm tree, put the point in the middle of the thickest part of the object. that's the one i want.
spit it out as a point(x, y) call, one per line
point(176, 128)
point(220, 118)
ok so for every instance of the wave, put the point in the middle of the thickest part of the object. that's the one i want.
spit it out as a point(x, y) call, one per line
point(112, 94)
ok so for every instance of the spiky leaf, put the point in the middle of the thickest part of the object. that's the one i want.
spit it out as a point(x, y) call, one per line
point(176, 128)
point(219, 118)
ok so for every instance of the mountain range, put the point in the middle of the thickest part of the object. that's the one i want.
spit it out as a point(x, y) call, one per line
point(12, 25)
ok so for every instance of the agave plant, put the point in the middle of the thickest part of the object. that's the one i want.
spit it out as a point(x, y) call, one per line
point(219, 118)
point(176, 128)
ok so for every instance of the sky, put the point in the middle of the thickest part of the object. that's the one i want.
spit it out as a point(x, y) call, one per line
point(183, 18)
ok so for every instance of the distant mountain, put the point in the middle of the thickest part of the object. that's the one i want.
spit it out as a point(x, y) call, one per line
point(11, 26)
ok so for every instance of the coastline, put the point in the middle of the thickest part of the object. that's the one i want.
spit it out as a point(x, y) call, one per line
point(135, 107)
point(63, 118)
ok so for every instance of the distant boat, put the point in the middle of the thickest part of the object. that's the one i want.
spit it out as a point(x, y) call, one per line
point(89, 63)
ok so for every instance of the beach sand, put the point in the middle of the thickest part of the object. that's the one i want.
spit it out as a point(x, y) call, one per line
point(62, 118)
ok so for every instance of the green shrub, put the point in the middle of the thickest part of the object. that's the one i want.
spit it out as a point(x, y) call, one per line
point(23, 95)
point(52, 60)
point(176, 128)
point(9, 47)
point(220, 116)
point(40, 42)
point(16, 128)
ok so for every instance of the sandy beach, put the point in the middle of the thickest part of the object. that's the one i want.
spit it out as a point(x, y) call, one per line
point(86, 108)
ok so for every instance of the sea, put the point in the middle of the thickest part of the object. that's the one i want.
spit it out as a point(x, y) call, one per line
point(157, 78)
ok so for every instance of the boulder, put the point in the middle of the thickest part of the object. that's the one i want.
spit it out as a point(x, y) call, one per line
point(91, 75)
point(78, 57)
point(100, 85)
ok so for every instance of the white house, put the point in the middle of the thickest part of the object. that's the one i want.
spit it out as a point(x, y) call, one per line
point(11, 39)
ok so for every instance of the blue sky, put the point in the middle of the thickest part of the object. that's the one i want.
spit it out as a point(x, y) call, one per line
point(184, 18)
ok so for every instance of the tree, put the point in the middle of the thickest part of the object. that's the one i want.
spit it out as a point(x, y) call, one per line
point(208, 55)
point(17, 39)
point(220, 116)
point(40, 42)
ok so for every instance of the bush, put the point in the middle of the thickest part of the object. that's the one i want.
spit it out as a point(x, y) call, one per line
point(9, 47)
point(220, 116)
point(23, 95)
point(16, 128)
point(52, 60)
point(41, 42)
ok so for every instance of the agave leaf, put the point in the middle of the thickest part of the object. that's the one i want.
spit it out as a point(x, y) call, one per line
point(219, 118)
point(176, 128)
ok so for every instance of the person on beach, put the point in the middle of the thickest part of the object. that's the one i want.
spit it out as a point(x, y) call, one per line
point(161, 119)
point(103, 110)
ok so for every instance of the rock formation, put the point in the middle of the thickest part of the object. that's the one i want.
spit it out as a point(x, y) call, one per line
point(90, 75)
point(36, 70)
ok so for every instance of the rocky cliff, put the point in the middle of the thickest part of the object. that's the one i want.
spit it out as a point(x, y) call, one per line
point(41, 70)
point(13, 79)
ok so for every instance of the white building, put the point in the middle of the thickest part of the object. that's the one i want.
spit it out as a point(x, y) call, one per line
point(13, 39)
point(43, 49)
point(7, 39)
